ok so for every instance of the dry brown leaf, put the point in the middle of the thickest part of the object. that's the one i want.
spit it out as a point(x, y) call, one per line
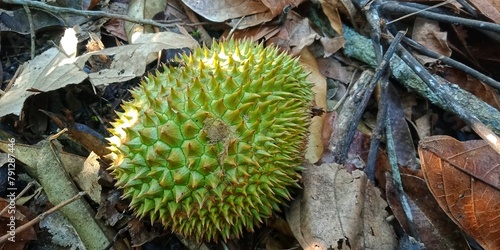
point(332, 45)
point(332, 68)
point(49, 71)
point(142, 9)
point(315, 144)
point(332, 9)
point(488, 8)
point(89, 176)
point(427, 33)
point(17, 240)
point(223, 10)
point(295, 34)
point(464, 177)
point(276, 6)
point(485, 92)
point(336, 207)
point(435, 230)
point(53, 69)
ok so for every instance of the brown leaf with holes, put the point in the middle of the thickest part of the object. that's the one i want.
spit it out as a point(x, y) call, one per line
point(464, 177)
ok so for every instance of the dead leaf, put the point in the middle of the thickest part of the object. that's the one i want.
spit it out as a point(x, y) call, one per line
point(464, 177)
point(52, 69)
point(332, 68)
point(433, 227)
point(295, 34)
point(223, 10)
point(405, 149)
point(89, 176)
point(49, 71)
point(142, 9)
point(331, 10)
point(488, 8)
point(332, 45)
point(81, 134)
point(485, 92)
point(427, 32)
point(337, 209)
point(9, 225)
point(17, 21)
point(276, 6)
point(315, 144)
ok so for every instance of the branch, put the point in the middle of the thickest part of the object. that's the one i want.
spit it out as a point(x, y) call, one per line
point(61, 10)
point(361, 48)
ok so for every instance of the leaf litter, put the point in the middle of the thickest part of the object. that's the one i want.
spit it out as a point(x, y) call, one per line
point(338, 205)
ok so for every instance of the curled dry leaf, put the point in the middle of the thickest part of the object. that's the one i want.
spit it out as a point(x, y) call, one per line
point(464, 177)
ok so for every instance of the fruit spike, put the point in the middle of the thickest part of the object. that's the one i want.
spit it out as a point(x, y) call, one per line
point(209, 148)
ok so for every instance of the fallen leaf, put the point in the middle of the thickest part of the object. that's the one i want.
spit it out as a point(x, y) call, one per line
point(489, 8)
point(89, 176)
point(464, 177)
point(434, 229)
point(12, 219)
point(49, 71)
point(487, 93)
point(405, 149)
point(295, 34)
point(338, 209)
point(53, 69)
point(332, 45)
point(17, 21)
point(276, 6)
point(142, 9)
point(331, 10)
point(332, 68)
point(223, 10)
point(315, 144)
point(427, 33)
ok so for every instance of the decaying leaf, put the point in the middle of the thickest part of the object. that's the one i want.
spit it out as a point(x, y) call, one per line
point(53, 69)
point(427, 33)
point(339, 209)
point(315, 145)
point(223, 10)
point(89, 177)
point(464, 177)
point(434, 229)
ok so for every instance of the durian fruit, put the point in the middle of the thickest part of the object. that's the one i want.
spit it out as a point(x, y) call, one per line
point(209, 148)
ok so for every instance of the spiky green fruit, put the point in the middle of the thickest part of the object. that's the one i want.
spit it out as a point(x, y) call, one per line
point(210, 147)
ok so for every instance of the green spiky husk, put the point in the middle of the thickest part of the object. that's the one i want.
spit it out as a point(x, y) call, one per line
point(210, 147)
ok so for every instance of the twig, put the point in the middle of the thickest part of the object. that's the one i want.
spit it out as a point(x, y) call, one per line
point(60, 10)
point(42, 216)
point(361, 48)
point(395, 7)
point(396, 176)
point(204, 36)
point(19, 196)
point(491, 138)
point(231, 32)
point(32, 30)
point(419, 11)
point(375, 141)
point(448, 61)
point(344, 126)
